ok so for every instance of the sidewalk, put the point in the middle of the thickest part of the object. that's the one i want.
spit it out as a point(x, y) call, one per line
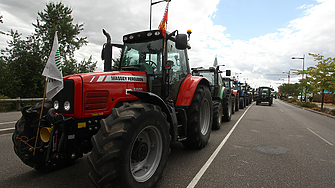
point(326, 105)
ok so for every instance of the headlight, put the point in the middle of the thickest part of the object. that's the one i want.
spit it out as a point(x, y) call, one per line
point(56, 105)
point(66, 105)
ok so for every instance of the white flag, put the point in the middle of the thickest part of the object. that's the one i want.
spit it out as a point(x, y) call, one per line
point(53, 71)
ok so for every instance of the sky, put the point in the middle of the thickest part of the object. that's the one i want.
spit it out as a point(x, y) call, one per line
point(255, 39)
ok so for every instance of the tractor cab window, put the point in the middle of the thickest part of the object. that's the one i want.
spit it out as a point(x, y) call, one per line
point(264, 91)
point(220, 83)
point(177, 69)
point(147, 56)
point(177, 60)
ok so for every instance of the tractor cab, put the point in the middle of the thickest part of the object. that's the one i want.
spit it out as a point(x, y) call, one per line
point(165, 64)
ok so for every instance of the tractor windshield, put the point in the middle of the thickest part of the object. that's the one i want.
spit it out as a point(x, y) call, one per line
point(208, 75)
point(147, 56)
point(264, 91)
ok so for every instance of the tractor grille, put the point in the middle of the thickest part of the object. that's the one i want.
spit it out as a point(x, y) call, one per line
point(96, 100)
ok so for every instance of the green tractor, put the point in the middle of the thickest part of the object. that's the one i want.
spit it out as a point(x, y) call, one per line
point(264, 95)
point(221, 95)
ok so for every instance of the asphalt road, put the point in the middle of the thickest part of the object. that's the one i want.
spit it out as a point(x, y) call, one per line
point(263, 146)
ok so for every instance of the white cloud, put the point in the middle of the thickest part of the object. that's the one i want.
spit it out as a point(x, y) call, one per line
point(268, 54)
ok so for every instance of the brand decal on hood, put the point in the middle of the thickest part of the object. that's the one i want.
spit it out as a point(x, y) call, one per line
point(119, 78)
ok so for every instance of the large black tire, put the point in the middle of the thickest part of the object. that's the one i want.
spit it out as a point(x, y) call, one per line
point(237, 102)
point(246, 101)
point(227, 109)
point(199, 118)
point(217, 115)
point(242, 104)
point(233, 104)
point(257, 102)
point(24, 137)
point(131, 148)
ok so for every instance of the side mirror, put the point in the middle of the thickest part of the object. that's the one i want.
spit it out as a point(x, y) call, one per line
point(181, 41)
point(228, 72)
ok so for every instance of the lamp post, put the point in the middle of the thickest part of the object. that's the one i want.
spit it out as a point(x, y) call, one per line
point(237, 73)
point(153, 3)
point(288, 81)
point(302, 76)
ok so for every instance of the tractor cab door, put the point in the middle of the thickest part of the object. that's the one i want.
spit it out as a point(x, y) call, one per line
point(146, 57)
point(176, 69)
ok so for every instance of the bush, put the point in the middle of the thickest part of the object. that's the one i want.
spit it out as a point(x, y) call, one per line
point(307, 104)
point(332, 112)
point(292, 100)
point(8, 106)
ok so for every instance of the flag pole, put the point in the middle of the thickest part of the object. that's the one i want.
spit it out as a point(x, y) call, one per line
point(39, 121)
point(165, 33)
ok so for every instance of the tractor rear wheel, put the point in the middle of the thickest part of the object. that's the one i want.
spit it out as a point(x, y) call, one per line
point(242, 105)
point(131, 148)
point(226, 103)
point(237, 103)
point(233, 105)
point(199, 118)
point(217, 115)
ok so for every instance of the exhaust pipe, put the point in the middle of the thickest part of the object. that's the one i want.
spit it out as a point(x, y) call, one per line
point(107, 52)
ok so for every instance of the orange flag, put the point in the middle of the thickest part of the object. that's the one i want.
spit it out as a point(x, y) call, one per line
point(162, 25)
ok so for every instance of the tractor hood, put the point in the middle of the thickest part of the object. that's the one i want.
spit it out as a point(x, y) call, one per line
point(97, 93)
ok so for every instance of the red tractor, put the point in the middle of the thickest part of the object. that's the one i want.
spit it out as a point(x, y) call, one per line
point(125, 117)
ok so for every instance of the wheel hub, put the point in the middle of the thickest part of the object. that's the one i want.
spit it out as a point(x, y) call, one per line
point(140, 151)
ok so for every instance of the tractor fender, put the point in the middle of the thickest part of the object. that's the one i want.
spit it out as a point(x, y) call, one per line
point(187, 89)
point(169, 110)
point(234, 93)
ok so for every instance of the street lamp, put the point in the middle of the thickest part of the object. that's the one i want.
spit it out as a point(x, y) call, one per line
point(302, 76)
point(288, 81)
point(153, 3)
point(237, 73)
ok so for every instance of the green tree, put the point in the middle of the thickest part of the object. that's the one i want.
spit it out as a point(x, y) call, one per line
point(290, 89)
point(21, 71)
point(72, 67)
point(23, 61)
point(57, 17)
point(322, 76)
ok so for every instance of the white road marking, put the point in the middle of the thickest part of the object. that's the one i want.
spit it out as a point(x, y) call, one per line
point(4, 123)
point(281, 110)
point(7, 129)
point(320, 137)
point(197, 177)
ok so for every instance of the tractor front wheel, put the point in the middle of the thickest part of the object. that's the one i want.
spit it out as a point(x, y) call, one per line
point(131, 147)
point(24, 137)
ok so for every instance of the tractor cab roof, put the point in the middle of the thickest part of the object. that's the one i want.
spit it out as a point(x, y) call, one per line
point(150, 35)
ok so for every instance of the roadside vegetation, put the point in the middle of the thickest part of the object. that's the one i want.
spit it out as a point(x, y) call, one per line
point(315, 104)
point(23, 60)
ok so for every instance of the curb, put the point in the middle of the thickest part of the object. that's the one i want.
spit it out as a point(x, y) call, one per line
point(308, 109)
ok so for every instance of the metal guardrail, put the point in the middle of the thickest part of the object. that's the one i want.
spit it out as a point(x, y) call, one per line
point(19, 100)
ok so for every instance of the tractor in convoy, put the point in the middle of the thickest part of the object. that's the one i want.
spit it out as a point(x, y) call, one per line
point(221, 95)
point(264, 94)
point(126, 117)
point(248, 94)
point(229, 83)
point(241, 92)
